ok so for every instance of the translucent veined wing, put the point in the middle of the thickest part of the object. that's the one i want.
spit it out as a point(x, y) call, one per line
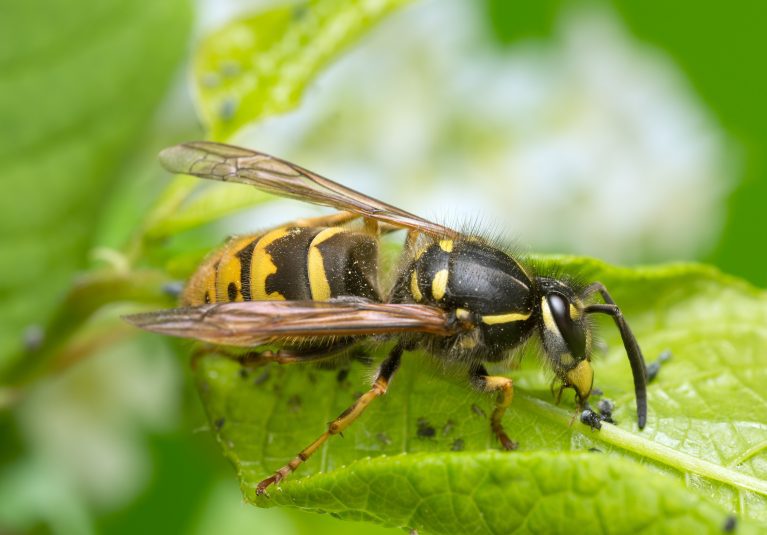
point(250, 323)
point(227, 163)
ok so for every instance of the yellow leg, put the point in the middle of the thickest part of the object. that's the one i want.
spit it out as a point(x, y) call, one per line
point(344, 420)
point(505, 388)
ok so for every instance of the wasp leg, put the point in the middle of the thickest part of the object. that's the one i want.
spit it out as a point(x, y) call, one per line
point(505, 388)
point(385, 373)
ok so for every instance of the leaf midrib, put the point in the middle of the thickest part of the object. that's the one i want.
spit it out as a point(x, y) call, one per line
point(644, 447)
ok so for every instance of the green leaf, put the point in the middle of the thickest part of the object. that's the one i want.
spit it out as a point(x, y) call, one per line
point(259, 66)
point(706, 430)
point(80, 81)
point(494, 492)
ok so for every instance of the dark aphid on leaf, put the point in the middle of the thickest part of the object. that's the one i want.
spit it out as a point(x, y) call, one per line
point(425, 429)
point(310, 291)
point(591, 419)
point(606, 408)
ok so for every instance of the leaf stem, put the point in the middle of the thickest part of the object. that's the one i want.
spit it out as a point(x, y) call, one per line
point(650, 449)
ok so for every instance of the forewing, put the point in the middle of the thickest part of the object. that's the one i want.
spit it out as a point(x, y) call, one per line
point(252, 323)
point(217, 161)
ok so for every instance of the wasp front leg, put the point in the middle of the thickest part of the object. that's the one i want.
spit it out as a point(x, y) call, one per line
point(481, 380)
point(344, 420)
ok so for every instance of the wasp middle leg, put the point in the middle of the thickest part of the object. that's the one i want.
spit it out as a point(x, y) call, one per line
point(344, 420)
point(485, 382)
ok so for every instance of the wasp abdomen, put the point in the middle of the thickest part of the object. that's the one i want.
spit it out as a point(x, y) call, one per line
point(289, 263)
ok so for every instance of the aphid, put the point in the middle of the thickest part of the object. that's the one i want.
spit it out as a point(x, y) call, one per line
point(310, 288)
point(591, 419)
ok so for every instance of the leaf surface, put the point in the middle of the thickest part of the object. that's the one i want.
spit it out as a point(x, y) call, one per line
point(259, 66)
point(701, 456)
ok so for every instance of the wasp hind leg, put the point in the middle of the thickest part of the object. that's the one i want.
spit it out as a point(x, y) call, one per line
point(344, 420)
point(481, 380)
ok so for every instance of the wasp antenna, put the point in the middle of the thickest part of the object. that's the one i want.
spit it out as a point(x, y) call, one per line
point(638, 368)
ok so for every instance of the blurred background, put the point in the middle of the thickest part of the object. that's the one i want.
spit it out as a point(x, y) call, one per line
point(632, 132)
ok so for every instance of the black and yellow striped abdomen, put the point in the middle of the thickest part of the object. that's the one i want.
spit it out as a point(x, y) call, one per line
point(289, 263)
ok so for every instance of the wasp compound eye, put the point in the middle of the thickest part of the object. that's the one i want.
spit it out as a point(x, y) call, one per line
point(572, 332)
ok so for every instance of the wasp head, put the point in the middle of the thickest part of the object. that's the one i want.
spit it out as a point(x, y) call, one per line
point(566, 335)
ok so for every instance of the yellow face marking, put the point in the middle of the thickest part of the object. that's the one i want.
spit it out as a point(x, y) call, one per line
point(439, 284)
point(446, 245)
point(318, 280)
point(581, 378)
point(575, 312)
point(415, 291)
point(261, 266)
point(566, 359)
point(506, 318)
point(548, 319)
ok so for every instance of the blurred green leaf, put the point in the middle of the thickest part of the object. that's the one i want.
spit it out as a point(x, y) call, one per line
point(514, 21)
point(259, 66)
point(706, 426)
point(720, 48)
point(214, 202)
point(80, 81)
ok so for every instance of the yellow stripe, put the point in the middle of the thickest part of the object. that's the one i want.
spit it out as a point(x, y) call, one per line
point(446, 245)
point(575, 312)
point(414, 289)
point(230, 269)
point(439, 284)
point(548, 318)
point(505, 318)
point(318, 280)
point(203, 282)
point(261, 266)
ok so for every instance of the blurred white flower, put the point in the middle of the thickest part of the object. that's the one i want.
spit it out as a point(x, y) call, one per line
point(592, 143)
point(87, 425)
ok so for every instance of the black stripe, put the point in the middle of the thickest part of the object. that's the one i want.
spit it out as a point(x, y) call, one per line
point(289, 254)
point(246, 257)
point(231, 291)
point(351, 265)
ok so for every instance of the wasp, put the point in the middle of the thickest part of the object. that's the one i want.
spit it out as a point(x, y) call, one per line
point(310, 290)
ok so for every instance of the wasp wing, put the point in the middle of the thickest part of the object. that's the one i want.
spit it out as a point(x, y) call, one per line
point(252, 323)
point(227, 163)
